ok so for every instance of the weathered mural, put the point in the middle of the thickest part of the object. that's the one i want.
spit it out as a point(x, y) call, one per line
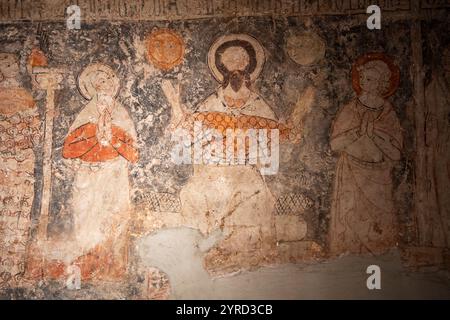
point(20, 131)
point(368, 136)
point(156, 140)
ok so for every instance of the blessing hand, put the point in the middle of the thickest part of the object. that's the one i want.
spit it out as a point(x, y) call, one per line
point(172, 94)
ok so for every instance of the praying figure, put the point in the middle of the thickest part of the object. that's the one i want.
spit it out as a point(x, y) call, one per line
point(368, 138)
point(101, 143)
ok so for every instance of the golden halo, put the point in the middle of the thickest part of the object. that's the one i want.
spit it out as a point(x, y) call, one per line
point(88, 78)
point(165, 48)
point(372, 56)
point(259, 50)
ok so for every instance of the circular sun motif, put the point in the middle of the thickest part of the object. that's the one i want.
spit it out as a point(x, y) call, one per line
point(306, 48)
point(165, 48)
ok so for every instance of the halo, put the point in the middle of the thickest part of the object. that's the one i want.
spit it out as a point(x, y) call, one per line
point(86, 80)
point(395, 72)
point(259, 50)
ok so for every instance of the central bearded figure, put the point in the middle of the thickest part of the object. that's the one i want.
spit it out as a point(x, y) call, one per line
point(232, 198)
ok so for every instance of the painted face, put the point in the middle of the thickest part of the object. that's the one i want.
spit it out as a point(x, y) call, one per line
point(370, 81)
point(104, 85)
point(235, 59)
point(9, 66)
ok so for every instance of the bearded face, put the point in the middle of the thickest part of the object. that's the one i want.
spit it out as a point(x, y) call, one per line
point(236, 79)
point(236, 60)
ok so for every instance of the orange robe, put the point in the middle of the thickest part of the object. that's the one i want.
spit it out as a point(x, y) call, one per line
point(82, 143)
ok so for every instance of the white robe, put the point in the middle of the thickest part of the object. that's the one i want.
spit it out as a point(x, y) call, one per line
point(100, 195)
point(234, 198)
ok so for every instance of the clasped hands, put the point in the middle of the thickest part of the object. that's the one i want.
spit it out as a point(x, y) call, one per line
point(366, 126)
point(104, 123)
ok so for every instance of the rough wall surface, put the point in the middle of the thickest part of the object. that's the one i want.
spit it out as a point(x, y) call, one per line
point(90, 192)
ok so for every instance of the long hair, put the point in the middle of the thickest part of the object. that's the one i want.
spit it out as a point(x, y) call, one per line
point(234, 78)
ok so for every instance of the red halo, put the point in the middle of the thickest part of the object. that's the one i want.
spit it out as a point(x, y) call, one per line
point(372, 56)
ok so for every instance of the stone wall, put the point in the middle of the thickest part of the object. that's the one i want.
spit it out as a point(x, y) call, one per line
point(92, 194)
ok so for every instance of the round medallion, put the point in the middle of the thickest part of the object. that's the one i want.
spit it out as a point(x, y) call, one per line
point(305, 48)
point(165, 48)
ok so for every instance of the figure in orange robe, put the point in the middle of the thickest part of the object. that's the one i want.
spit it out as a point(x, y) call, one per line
point(101, 139)
point(99, 148)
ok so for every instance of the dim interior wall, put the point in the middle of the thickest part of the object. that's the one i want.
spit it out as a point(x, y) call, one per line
point(175, 231)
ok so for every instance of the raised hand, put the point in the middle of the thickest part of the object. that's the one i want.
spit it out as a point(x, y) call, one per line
point(172, 94)
point(298, 115)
